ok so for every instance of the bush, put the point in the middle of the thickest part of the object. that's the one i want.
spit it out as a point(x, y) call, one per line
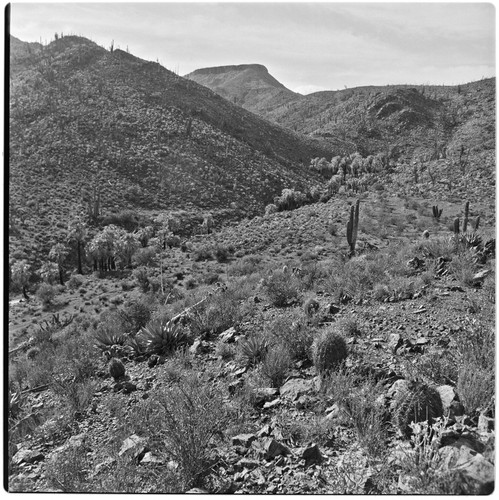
point(328, 351)
point(282, 288)
point(145, 257)
point(294, 333)
point(270, 209)
point(46, 293)
point(221, 253)
point(190, 417)
point(141, 275)
point(135, 314)
point(202, 252)
point(75, 282)
point(275, 365)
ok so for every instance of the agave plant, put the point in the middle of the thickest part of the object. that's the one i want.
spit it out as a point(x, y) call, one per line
point(104, 340)
point(252, 350)
point(162, 337)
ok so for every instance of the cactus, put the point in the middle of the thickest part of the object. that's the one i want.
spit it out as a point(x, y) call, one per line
point(437, 213)
point(476, 223)
point(328, 351)
point(466, 214)
point(116, 368)
point(311, 306)
point(353, 226)
point(416, 403)
point(456, 226)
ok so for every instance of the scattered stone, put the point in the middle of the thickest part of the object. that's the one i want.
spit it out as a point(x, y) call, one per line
point(272, 404)
point(333, 308)
point(447, 395)
point(247, 463)
point(129, 387)
point(480, 276)
point(395, 341)
point(198, 347)
point(153, 360)
point(197, 491)
point(233, 387)
point(296, 387)
point(265, 394)
point(273, 449)
point(228, 335)
point(134, 447)
point(149, 458)
point(243, 440)
point(312, 455)
point(266, 430)
point(485, 424)
point(27, 456)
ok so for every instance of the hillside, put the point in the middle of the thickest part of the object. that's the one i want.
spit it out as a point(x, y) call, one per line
point(84, 119)
point(251, 86)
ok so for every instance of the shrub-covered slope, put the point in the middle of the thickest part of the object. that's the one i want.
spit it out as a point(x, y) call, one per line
point(85, 118)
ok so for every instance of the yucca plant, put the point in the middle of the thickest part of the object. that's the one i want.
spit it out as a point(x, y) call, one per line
point(162, 337)
point(252, 350)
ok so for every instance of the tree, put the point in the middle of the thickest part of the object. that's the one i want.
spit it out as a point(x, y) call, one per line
point(58, 254)
point(77, 230)
point(125, 246)
point(48, 272)
point(21, 272)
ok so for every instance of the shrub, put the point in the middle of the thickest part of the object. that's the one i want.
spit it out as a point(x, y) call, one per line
point(145, 257)
point(328, 351)
point(189, 416)
point(74, 282)
point(293, 332)
point(275, 365)
point(141, 275)
point(46, 293)
point(270, 209)
point(135, 314)
point(202, 252)
point(221, 253)
point(282, 288)
point(418, 403)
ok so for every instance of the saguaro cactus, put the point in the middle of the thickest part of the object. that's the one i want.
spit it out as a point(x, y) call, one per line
point(437, 213)
point(353, 226)
point(456, 226)
point(466, 214)
point(476, 223)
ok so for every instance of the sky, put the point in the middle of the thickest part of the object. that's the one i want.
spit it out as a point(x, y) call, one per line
point(307, 46)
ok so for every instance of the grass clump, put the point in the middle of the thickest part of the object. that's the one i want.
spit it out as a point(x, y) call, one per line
point(282, 288)
point(276, 364)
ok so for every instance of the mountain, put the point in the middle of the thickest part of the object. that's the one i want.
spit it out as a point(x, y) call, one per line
point(248, 85)
point(86, 121)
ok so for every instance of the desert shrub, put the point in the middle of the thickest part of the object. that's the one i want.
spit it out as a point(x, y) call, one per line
point(46, 293)
point(74, 282)
point(438, 366)
point(173, 241)
point(142, 277)
point(190, 283)
point(276, 364)
point(270, 209)
point(145, 257)
point(202, 252)
point(221, 253)
point(294, 333)
point(210, 278)
point(282, 288)
point(76, 394)
point(252, 351)
point(349, 327)
point(329, 350)
point(476, 362)
point(290, 200)
point(135, 314)
point(190, 416)
point(68, 470)
point(463, 267)
point(225, 351)
point(249, 264)
point(127, 219)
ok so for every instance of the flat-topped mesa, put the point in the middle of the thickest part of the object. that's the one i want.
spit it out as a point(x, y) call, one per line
point(216, 70)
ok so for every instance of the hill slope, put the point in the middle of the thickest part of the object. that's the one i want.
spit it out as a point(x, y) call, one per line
point(83, 118)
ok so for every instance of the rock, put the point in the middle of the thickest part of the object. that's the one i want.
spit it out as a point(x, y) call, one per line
point(247, 463)
point(333, 308)
point(149, 458)
point(243, 440)
point(134, 447)
point(480, 276)
point(456, 409)
point(447, 396)
point(197, 491)
point(395, 341)
point(399, 386)
point(264, 394)
point(233, 387)
point(472, 466)
point(198, 347)
point(296, 387)
point(27, 456)
point(485, 424)
point(272, 404)
point(228, 335)
point(273, 448)
point(312, 455)
point(129, 387)
point(153, 360)
point(266, 430)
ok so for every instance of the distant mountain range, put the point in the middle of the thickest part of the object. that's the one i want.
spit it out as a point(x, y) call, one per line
point(412, 121)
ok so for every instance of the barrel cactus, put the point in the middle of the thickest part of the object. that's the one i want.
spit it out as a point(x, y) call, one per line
point(116, 368)
point(328, 351)
point(416, 402)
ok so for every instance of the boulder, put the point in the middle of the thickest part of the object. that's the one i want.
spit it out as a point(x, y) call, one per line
point(27, 456)
point(243, 440)
point(134, 447)
point(312, 455)
point(228, 335)
point(273, 448)
point(447, 395)
point(296, 387)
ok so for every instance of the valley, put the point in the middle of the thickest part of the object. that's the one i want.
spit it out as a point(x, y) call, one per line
point(218, 285)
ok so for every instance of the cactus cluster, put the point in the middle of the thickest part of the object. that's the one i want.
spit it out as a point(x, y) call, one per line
point(353, 226)
point(474, 224)
point(328, 351)
point(416, 403)
point(437, 213)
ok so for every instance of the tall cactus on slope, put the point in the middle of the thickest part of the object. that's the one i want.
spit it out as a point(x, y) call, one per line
point(353, 226)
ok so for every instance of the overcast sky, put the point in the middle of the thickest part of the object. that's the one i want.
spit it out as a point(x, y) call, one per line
point(306, 46)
